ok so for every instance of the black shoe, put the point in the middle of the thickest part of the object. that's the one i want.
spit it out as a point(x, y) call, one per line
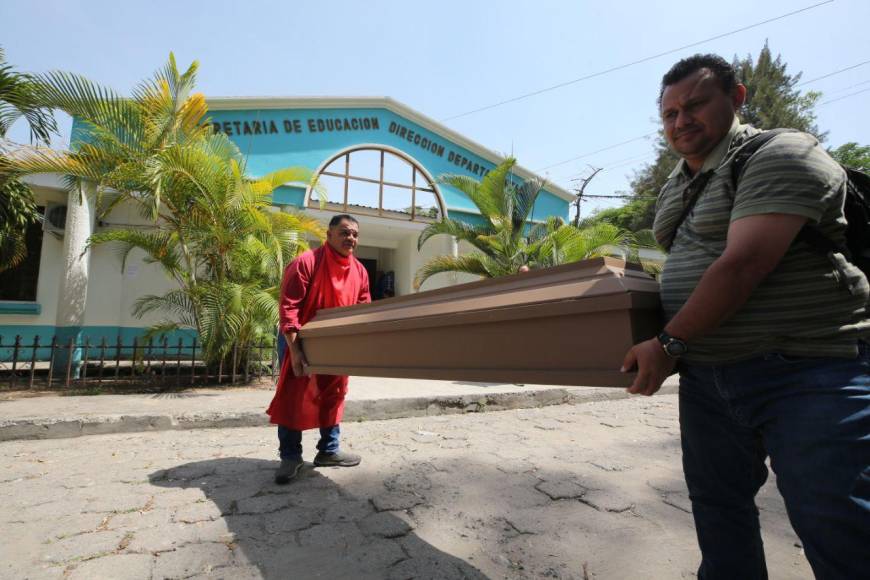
point(289, 469)
point(337, 459)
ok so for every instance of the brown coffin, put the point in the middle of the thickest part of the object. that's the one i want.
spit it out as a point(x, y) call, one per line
point(568, 325)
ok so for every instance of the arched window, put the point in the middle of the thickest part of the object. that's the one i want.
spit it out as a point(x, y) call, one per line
point(380, 182)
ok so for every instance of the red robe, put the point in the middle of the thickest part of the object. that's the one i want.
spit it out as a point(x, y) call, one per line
point(320, 278)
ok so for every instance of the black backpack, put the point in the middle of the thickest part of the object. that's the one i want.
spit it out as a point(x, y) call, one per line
point(856, 208)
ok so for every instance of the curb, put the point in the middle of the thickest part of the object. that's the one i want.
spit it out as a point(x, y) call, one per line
point(355, 410)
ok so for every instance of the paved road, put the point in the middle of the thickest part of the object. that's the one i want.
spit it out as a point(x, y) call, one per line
point(572, 491)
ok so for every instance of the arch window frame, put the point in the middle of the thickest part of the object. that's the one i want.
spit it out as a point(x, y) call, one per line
point(421, 180)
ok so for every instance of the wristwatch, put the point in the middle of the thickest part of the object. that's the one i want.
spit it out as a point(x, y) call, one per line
point(673, 347)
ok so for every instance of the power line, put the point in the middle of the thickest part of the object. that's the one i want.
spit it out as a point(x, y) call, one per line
point(633, 63)
point(630, 161)
point(641, 196)
point(626, 142)
point(844, 97)
point(830, 74)
point(615, 164)
point(598, 151)
point(844, 89)
point(619, 196)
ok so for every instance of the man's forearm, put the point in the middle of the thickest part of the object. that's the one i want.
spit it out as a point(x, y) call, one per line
point(723, 289)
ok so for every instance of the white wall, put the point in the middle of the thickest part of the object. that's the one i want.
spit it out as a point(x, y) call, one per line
point(111, 292)
point(439, 245)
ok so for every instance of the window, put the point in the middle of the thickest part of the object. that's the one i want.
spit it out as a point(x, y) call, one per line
point(379, 182)
point(19, 283)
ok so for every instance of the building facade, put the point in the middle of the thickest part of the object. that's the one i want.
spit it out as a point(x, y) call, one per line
point(374, 157)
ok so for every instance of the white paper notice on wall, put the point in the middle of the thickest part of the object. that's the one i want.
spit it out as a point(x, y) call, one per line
point(132, 270)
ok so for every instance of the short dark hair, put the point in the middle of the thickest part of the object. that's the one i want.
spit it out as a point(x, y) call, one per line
point(337, 219)
point(721, 69)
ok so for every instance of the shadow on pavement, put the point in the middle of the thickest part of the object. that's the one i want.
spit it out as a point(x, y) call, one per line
point(311, 528)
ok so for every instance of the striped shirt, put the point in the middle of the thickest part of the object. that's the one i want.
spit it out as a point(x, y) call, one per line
point(811, 304)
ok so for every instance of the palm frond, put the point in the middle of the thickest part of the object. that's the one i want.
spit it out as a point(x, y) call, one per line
point(160, 247)
point(475, 264)
point(457, 229)
point(524, 198)
point(13, 249)
point(177, 302)
point(95, 105)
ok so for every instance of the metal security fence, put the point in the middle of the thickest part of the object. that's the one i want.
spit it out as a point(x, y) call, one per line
point(71, 364)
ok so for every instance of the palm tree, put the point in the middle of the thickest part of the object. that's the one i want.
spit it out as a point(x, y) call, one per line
point(18, 99)
point(505, 208)
point(213, 231)
point(554, 242)
point(505, 241)
point(237, 246)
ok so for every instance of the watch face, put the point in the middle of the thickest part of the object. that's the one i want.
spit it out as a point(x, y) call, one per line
point(676, 348)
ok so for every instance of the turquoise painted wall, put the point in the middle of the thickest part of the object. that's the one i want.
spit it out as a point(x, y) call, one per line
point(276, 138)
point(94, 335)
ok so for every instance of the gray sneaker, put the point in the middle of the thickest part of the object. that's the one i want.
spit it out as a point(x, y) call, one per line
point(289, 469)
point(337, 459)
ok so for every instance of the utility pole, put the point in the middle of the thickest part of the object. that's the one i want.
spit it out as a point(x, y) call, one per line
point(584, 181)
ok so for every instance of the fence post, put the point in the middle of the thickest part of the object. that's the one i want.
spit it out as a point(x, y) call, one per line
point(117, 358)
point(133, 362)
point(103, 347)
point(274, 359)
point(193, 362)
point(51, 359)
point(248, 363)
point(178, 364)
point(149, 355)
point(69, 361)
point(15, 348)
point(33, 360)
point(85, 362)
point(163, 368)
point(235, 361)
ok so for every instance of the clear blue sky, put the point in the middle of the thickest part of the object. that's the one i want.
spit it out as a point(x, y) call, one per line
point(445, 58)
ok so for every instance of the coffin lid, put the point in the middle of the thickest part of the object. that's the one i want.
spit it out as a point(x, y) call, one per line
point(598, 277)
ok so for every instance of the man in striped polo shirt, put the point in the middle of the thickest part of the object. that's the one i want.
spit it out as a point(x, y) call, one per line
point(769, 335)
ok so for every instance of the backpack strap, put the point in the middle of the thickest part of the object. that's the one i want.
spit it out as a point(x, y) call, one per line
point(807, 234)
point(749, 148)
point(694, 189)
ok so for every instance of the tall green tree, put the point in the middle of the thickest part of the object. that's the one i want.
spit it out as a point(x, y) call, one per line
point(213, 230)
point(773, 100)
point(18, 99)
point(853, 155)
point(772, 97)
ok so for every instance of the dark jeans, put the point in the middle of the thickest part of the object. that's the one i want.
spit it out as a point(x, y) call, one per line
point(811, 416)
point(282, 348)
point(290, 441)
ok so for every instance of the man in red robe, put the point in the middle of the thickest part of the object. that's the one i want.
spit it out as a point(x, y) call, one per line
point(327, 277)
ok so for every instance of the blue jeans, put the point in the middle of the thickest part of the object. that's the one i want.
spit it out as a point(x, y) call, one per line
point(290, 441)
point(282, 348)
point(811, 416)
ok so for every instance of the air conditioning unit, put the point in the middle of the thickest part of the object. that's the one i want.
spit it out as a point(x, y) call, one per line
point(54, 219)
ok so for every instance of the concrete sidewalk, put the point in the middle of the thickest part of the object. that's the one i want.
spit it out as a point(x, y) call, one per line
point(55, 416)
